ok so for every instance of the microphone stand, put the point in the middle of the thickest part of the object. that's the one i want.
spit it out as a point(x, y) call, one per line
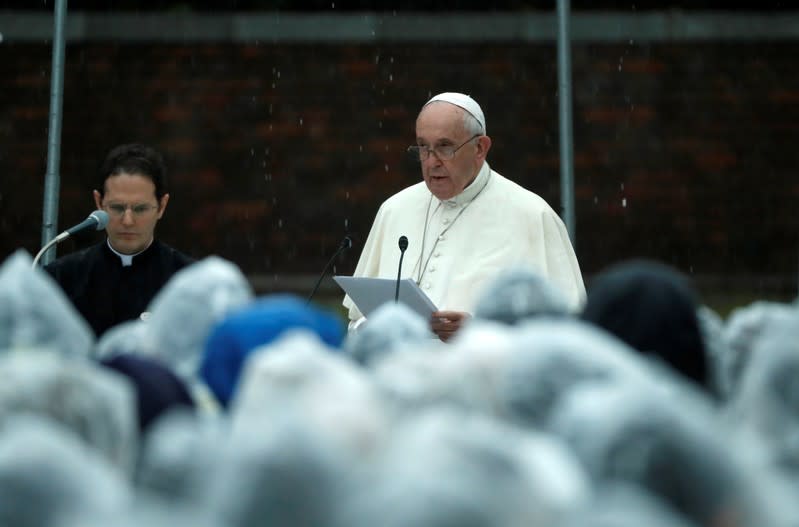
point(346, 243)
point(44, 249)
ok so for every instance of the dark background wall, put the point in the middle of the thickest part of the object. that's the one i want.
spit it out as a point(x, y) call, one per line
point(684, 151)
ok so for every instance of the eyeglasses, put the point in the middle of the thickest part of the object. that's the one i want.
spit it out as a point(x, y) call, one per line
point(118, 210)
point(443, 152)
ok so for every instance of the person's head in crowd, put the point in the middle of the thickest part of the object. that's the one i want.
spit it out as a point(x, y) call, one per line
point(96, 404)
point(391, 327)
point(299, 374)
point(744, 328)
point(281, 472)
point(35, 314)
point(666, 440)
point(448, 468)
point(178, 454)
point(185, 311)
point(652, 307)
point(233, 339)
point(765, 404)
point(451, 143)
point(520, 294)
point(626, 505)
point(158, 390)
point(132, 189)
point(48, 476)
point(551, 358)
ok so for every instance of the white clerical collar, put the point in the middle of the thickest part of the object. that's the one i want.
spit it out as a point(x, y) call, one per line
point(127, 259)
point(474, 188)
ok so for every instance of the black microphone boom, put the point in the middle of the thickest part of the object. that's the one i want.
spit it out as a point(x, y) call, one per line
point(403, 244)
point(96, 220)
point(346, 243)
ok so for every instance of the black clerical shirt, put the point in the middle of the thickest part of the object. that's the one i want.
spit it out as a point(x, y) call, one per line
point(107, 293)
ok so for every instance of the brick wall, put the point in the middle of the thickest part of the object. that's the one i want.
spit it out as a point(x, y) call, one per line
point(684, 151)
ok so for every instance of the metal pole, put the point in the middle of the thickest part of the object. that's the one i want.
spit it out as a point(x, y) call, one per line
point(52, 178)
point(565, 113)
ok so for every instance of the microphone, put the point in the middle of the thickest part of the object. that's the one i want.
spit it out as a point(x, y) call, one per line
point(346, 243)
point(403, 244)
point(96, 220)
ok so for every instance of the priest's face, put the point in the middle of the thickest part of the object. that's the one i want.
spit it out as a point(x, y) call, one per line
point(440, 127)
point(133, 210)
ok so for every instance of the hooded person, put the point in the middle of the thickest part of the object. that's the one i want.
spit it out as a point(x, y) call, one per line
point(36, 315)
point(157, 388)
point(232, 341)
point(653, 308)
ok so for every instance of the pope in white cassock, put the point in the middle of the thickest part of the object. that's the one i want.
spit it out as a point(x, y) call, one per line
point(465, 222)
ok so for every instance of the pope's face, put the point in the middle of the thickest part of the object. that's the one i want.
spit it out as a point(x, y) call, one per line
point(441, 124)
point(133, 211)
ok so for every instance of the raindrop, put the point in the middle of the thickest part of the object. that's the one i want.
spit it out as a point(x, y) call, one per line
point(596, 200)
point(252, 152)
point(631, 42)
point(391, 77)
point(333, 5)
point(347, 196)
point(280, 223)
point(622, 186)
point(300, 121)
point(386, 167)
point(270, 104)
point(380, 124)
point(624, 202)
point(360, 148)
point(621, 62)
point(1, 37)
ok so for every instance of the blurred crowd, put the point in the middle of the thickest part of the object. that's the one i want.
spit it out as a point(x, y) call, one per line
point(220, 408)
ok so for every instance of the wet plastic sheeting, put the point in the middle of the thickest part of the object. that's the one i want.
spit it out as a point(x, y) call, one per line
point(744, 328)
point(520, 294)
point(48, 477)
point(767, 401)
point(439, 465)
point(670, 444)
point(391, 327)
point(552, 357)
point(98, 406)
point(183, 313)
point(35, 313)
point(300, 374)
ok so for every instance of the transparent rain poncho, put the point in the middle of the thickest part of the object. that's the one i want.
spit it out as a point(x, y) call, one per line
point(183, 313)
point(666, 440)
point(300, 374)
point(281, 472)
point(711, 327)
point(766, 403)
point(97, 405)
point(622, 505)
point(35, 313)
point(552, 357)
point(48, 476)
point(520, 294)
point(178, 457)
point(130, 336)
point(744, 328)
point(391, 327)
point(445, 468)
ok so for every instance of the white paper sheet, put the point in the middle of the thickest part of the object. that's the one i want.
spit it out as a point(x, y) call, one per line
point(370, 293)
